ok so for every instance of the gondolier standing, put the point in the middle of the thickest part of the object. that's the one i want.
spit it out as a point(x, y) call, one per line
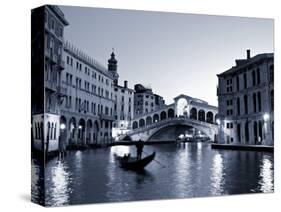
point(139, 146)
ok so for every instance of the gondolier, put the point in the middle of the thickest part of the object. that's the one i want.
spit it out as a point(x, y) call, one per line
point(139, 146)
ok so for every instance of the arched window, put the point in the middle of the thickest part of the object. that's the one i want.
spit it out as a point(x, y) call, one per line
point(155, 118)
point(193, 113)
point(210, 117)
point(48, 130)
point(201, 115)
point(141, 123)
point(171, 113)
point(163, 115)
point(55, 131)
point(148, 120)
point(52, 131)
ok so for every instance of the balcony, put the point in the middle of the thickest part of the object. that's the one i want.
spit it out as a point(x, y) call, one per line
point(51, 85)
point(51, 57)
point(61, 90)
point(61, 63)
point(107, 117)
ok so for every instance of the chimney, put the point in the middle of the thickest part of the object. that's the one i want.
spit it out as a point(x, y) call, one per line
point(125, 84)
point(248, 54)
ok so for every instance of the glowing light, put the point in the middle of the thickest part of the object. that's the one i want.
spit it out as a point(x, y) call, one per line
point(218, 121)
point(80, 127)
point(62, 126)
point(265, 116)
point(181, 136)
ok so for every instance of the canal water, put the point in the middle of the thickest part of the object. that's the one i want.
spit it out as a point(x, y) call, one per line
point(189, 170)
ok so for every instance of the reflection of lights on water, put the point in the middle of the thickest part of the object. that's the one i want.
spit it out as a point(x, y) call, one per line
point(217, 175)
point(199, 145)
point(266, 176)
point(59, 189)
point(78, 159)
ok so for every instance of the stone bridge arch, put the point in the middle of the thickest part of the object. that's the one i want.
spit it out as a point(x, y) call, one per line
point(208, 129)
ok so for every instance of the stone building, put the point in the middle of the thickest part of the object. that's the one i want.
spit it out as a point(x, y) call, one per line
point(87, 110)
point(123, 101)
point(246, 101)
point(47, 66)
point(145, 101)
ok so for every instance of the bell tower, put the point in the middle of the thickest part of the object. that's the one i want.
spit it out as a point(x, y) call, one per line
point(112, 67)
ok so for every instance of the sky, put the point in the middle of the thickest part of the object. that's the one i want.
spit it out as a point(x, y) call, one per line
point(173, 53)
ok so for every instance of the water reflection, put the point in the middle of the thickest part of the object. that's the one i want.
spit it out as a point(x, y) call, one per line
point(217, 175)
point(266, 175)
point(58, 189)
point(192, 170)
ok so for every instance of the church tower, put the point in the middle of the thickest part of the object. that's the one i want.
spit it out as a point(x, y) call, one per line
point(112, 67)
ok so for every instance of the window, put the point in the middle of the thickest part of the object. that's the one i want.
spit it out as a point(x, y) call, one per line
point(258, 76)
point(259, 101)
point(52, 24)
point(238, 106)
point(254, 78)
point(245, 80)
point(246, 104)
point(239, 132)
point(237, 83)
point(255, 103)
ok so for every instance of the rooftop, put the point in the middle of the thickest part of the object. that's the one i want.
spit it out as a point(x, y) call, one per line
point(85, 58)
point(243, 63)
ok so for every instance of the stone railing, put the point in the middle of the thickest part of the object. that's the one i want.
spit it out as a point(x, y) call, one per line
point(168, 120)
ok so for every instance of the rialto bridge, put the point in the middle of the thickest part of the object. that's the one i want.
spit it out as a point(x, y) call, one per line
point(185, 111)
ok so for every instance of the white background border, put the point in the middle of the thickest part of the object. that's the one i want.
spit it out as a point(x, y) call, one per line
point(15, 104)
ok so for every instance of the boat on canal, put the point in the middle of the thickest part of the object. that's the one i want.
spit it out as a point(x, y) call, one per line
point(131, 163)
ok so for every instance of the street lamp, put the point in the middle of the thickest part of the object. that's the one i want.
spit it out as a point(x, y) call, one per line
point(62, 126)
point(80, 127)
point(218, 121)
point(266, 117)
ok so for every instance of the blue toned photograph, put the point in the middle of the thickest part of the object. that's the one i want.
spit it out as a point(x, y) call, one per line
point(132, 105)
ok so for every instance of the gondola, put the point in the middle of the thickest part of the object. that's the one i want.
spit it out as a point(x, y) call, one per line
point(131, 163)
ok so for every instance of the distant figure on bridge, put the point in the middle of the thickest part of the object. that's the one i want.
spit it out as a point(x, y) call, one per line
point(139, 146)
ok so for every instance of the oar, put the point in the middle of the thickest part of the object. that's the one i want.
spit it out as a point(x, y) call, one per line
point(155, 160)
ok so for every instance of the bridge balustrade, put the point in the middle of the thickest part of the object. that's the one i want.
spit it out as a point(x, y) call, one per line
point(167, 120)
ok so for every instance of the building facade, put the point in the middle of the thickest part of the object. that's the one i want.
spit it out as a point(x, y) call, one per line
point(145, 101)
point(48, 24)
point(87, 110)
point(246, 101)
point(123, 101)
